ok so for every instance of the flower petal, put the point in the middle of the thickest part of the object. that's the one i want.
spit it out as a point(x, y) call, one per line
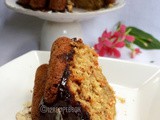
point(100, 39)
point(123, 37)
point(116, 53)
point(115, 40)
point(116, 34)
point(95, 47)
point(99, 46)
point(104, 34)
point(130, 38)
point(120, 44)
point(109, 34)
point(107, 43)
point(122, 28)
point(108, 51)
point(133, 54)
point(137, 50)
point(102, 52)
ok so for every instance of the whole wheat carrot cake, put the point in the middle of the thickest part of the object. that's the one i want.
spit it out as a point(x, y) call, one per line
point(71, 86)
point(62, 5)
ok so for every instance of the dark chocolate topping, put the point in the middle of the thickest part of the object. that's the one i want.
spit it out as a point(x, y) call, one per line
point(64, 107)
point(74, 39)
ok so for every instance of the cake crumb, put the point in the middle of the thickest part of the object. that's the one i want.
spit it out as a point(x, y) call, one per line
point(31, 91)
point(25, 114)
point(70, 5)
point(111, 5)
point(120, 99)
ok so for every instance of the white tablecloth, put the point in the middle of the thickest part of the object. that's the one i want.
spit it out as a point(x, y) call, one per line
point(21, 33)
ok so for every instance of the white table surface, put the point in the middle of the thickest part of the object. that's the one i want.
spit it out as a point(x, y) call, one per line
point(21, 33)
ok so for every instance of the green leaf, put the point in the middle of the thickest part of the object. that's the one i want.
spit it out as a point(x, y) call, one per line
point(144, 39)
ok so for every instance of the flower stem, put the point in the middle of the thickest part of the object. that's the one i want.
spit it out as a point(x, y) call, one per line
point(128, 31)
point(142, 41)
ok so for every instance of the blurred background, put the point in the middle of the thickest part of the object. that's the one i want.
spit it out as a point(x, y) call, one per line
point(21, 33)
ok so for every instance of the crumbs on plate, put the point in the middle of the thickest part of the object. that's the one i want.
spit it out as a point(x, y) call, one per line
point(120, 99)
point(25, 114)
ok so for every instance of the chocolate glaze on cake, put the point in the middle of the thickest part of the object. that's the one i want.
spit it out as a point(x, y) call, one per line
point(64, 108)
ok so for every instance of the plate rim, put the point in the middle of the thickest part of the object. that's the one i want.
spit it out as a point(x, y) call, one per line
point(101, 58)
point(39, 53)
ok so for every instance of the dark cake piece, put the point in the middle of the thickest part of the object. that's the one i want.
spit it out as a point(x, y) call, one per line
point(75, 87)
point(57, 5)
point(89, 4)
point(107, 2)
point(38, 4)
point(62, 5)
point(23, 2)
point(92, 4)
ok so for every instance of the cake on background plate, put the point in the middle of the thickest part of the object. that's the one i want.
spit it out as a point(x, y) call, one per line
point(62, 5)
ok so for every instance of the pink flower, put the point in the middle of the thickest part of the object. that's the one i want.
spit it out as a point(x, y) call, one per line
point(110, 42)
point(135, 52)
point(121, 34)
point(130, 38)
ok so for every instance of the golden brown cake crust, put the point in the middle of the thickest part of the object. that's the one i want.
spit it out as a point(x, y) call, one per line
point(57, 64)
point(39, 84)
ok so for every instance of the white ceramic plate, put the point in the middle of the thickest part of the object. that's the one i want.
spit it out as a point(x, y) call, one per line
point(138, 84)
point(77, 15)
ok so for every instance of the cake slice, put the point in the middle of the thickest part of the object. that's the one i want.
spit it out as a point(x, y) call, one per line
point(74, 86)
